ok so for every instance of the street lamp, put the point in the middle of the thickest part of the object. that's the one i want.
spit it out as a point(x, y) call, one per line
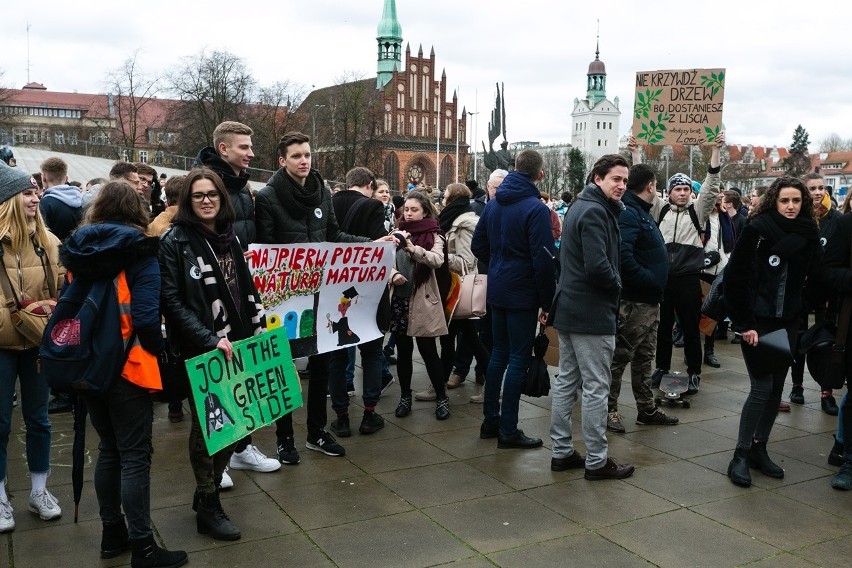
point(473, 145)
point(314, 129)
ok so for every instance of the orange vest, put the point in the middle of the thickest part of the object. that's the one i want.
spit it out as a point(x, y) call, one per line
point(141, 367)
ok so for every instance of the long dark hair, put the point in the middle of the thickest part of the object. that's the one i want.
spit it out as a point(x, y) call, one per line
point(118, 202)
point(185, 214)
point(769, 198)
point(428, 206)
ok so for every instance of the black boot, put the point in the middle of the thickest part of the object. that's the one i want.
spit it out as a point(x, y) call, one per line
point(212, 520)
point(114, 540)
point(709, 355)
point(146, 554)
point(759, 459)
point(738, 468)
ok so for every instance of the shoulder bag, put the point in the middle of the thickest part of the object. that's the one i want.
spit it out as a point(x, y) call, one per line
point(29, 317)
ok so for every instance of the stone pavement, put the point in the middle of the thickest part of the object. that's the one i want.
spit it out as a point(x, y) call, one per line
point(426, 493)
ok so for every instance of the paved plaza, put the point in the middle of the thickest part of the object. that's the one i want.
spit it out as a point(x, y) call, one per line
point(426, 493)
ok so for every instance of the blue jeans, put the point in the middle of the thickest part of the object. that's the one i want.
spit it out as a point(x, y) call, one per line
point(122, 418)
point(34, 396)
point(513, 335)
point(371, 366)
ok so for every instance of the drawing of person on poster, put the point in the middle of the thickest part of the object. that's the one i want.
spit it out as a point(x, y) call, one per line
point(345, 336)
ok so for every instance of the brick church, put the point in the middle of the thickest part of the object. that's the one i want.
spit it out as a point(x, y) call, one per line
point(400, 124)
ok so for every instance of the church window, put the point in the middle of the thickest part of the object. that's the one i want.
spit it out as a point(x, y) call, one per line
point(392, 171)
point(599, 125)
point(400, 124)
point(599, 142)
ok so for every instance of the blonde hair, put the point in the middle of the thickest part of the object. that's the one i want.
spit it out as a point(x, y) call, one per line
point(15, 226)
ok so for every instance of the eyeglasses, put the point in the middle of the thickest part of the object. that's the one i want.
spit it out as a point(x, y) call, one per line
point(213, 196)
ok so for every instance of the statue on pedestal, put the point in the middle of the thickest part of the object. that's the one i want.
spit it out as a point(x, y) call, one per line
point(502, 158)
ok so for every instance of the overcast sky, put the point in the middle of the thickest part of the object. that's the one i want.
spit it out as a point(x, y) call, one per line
point(787, 64)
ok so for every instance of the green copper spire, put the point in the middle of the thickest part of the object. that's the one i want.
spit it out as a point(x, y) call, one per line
point(389, 37)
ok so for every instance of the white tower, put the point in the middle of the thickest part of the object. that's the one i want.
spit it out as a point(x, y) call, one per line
point(594, 120)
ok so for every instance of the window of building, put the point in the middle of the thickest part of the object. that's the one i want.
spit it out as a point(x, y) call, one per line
point(599, 142)
point(72, 139)
point(392, 171)
point(143, 156)
point(59, 138)
point(400, 124)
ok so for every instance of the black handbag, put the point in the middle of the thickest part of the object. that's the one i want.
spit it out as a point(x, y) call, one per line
point(714, 303)
point(537, 382)
point(173, 375)
point(824, 346)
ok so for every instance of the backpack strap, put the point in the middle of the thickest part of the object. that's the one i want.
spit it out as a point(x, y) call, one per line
point(692, 215)
point(48, 271)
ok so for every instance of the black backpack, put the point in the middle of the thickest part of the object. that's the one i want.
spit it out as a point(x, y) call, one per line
point(82, 349)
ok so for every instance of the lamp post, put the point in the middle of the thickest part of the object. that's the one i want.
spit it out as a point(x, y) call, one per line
point(314, 129)
point(475, 116)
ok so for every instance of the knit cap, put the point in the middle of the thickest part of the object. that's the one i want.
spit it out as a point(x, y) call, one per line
point(14, 181)
point(679, 179)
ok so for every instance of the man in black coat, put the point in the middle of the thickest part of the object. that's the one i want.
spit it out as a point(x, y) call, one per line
point(230, 157)
point(361, 216)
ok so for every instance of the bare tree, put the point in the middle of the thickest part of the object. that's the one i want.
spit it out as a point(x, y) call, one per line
point(214, 87)
point(7, 120)
point(834, 143)
point(271, 117)
point(132, 90)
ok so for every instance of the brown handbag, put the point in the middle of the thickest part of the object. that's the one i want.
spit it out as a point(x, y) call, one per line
point(472, 293)
point(29, 317)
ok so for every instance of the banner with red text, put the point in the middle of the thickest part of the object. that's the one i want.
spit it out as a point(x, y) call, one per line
point(324, 295)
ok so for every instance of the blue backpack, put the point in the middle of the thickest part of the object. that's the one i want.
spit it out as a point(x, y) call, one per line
point(82, 350)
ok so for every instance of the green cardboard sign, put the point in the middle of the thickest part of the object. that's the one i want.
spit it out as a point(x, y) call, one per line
point(255, 388)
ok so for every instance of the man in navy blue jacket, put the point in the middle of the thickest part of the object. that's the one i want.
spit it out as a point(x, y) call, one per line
point(513, 237)
point(644, 269)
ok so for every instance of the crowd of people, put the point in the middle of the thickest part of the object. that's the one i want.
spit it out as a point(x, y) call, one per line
point(617, 271)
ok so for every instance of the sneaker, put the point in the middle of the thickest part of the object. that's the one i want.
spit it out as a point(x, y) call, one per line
point(341, 426)
point(325, 443)
point(657, 417)
point(253, 459)
point(442, 409)
point(711, 359)
point(479, 397)
point(694, 381)
point(657, 377)
point(60, 403)
point(387, 381)
point(797, 395)
point(287, 453)
point(7, 521)
point(45, 505)
point(350, 389)
point(227, 482)
point(613, 422)
point(455, 381)
point(829, 405)
point(388, 353)
point(404, 407)
point(371, 423)
point(428, 394)
point(843, 479)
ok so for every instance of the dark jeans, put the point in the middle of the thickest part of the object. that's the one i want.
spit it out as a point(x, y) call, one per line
point(34, 396)
point(371, 367)
point(513, 332)
point(206, 468)
point(468, 336)
point(122, 418)
point(682, 297)
point(405, 363)
point(316, 402)
point(767, 384)
point(464, 353)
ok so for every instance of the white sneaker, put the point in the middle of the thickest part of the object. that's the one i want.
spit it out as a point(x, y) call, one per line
point(227, 482)
point(45, 505)
point(428, 394)
point(252, 458)
point(7, 521)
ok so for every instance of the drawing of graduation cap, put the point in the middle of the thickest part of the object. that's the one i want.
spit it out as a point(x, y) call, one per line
point(351, 294)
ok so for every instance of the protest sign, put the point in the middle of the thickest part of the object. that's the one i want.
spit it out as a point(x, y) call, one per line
point(256, 387)
point(681, 106)
point(324, 295)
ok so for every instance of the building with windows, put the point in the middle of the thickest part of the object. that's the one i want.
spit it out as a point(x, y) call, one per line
point(594, 120)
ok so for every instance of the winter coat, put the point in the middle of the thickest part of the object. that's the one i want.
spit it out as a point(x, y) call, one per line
point(589, 289)
point(425, 308)
point(103, 250)
point(278, 225)
point(478, 201)
point(682, 237)
point(189, 319)
point(644, 258)
point(828, 226)
point(459, 256)
point(239, 191)
point(513, 238)
point(764, 287)
point(62, 209)
point(162, 222)
point(714, 244)
point(27, 277)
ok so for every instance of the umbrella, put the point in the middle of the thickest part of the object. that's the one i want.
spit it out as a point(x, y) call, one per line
point(78, 452)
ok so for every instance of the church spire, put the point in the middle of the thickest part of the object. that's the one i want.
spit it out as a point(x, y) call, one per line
point(596, 89)
point(389, 38)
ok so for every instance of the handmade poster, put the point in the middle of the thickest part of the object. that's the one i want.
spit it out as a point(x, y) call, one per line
point(324, 295)
point(255, 388)
point(679, 106)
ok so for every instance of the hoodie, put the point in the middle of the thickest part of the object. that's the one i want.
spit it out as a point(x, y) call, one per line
point(62, 209)
point(513, 237)
point(238, 188)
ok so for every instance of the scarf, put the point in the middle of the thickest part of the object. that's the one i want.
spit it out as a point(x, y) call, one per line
point(231, 321)
point(788, 238)
point(298, 198)
point(451, 212)
point(219, 240)
point(423, 235)
point(726, 231)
